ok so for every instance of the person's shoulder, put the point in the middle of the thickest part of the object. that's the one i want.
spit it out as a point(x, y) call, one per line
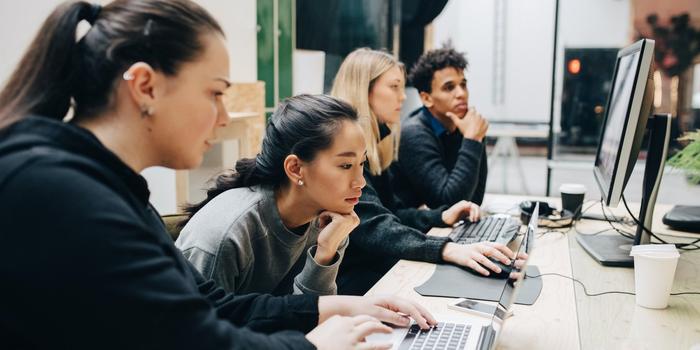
point(229, 213)
point(415, 124)
point(50, 171)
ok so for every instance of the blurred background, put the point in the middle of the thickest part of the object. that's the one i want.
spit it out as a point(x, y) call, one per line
point(539, 71)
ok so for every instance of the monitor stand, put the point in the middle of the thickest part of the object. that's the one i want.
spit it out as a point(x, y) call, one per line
point(609, 250)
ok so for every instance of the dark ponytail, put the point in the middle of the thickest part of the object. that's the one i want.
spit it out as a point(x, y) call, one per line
point(302, 125)
point(56, 68)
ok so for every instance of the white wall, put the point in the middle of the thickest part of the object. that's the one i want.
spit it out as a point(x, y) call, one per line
point(529, 36)
point(528, 54)
point(20, 20)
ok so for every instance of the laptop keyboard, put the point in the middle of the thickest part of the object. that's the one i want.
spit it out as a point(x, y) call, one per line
point(489, 229)
point(451, 336)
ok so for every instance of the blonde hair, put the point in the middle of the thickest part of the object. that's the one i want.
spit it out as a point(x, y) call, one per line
point(354, 80)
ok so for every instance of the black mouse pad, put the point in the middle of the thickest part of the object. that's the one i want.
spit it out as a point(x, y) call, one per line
point(454, 282)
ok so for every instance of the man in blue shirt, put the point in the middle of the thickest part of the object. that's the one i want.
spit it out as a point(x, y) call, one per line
point(442, 157)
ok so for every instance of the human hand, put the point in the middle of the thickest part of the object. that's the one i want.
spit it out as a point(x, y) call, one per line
point(335, 228)
point(520, 260)
point(476, 256)
point(472, 125)
point(392, 309)
point(342, 332)
point(460, 210)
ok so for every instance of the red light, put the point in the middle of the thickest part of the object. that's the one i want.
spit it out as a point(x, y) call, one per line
point(574, 66)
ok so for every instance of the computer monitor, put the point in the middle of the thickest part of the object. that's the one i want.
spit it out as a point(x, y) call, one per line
point(626, 120)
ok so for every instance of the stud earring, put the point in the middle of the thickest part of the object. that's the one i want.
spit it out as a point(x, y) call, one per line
point(127, 76)
point(301, 182)
point(146, 111)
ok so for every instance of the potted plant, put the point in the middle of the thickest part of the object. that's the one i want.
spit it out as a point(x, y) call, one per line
point(688, 159)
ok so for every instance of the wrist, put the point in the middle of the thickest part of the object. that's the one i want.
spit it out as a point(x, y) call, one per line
point(447, 251)
point(473, 137)
point(329, 306)
point(323, 255)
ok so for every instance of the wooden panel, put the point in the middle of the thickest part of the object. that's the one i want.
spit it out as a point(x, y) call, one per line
point(248, 97)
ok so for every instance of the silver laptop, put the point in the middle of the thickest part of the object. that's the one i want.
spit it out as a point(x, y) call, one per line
point(467, 331)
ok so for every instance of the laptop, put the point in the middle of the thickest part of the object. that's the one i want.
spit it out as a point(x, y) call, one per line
point(467, 331)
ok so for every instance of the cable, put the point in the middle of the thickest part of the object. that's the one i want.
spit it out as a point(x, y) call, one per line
point(610, 222)
point(591, 233)
point(581, 283)
point(593, 203)
point(678, 245)
point(601, 293)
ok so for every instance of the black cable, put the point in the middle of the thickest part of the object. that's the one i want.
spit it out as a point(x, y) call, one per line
point(601, 293)
point(581, 283)
point(678, 245)
point(610, 222)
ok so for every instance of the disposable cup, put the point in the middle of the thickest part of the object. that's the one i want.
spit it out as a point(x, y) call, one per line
point(654, 269)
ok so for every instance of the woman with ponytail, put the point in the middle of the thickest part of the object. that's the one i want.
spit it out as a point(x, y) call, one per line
point(279, 223)
point(373, 82)
point(87, 263)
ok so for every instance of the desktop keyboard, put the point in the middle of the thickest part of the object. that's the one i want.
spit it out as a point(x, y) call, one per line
point(450, 336)
point(500, 229)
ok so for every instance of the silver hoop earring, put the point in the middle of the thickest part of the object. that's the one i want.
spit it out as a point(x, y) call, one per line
point(301, 182)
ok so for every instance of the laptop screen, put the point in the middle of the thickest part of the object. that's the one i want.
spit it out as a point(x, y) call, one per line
point(509, 293)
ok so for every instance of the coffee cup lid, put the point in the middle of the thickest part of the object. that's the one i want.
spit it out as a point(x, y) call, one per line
point(655, 251)
point(572, 188)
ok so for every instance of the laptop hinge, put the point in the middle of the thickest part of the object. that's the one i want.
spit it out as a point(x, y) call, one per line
point(486, 338)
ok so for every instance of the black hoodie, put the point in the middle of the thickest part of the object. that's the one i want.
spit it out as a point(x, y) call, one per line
point(86, 262)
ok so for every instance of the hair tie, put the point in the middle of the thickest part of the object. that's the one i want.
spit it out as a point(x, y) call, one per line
point(94, 11)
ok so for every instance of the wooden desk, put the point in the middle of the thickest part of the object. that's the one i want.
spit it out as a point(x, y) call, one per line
point(563, 317)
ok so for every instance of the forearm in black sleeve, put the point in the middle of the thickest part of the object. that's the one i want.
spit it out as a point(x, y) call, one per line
point(420, 219)
point(480, 189)
point(382, 232)
point(261, 312)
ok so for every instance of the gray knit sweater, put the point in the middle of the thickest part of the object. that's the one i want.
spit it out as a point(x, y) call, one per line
point(239, 240)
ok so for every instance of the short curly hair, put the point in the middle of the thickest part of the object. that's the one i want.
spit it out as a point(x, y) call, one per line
point(421, 75)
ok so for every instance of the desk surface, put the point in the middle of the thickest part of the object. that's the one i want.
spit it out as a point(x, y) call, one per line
point(564, 317)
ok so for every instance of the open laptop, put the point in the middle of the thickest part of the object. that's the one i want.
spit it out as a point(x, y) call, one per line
point(467, 331)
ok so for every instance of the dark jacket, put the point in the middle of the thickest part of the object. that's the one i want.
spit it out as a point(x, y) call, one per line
point(436, 167)
point(388, 231)
point(87, 263)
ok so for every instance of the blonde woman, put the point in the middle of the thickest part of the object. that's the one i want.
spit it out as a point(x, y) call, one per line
point(373, 82)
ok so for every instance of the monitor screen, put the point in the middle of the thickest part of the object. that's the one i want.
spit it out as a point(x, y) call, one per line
point(617, 114)
point(626, 115)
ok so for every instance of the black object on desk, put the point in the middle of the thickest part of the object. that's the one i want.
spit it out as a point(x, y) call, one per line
point(683, 217)
point(455, 282)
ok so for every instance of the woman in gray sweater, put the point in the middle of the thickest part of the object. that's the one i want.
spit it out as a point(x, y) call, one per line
point(279, 223)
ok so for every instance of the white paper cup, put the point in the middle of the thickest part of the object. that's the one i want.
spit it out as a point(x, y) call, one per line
point(654, 269)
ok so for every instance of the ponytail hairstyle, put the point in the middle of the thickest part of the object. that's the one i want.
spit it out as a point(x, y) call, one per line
point(57, 72)
point(302, 125)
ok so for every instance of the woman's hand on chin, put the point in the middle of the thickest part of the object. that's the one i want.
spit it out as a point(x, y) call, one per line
point(335, 228)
